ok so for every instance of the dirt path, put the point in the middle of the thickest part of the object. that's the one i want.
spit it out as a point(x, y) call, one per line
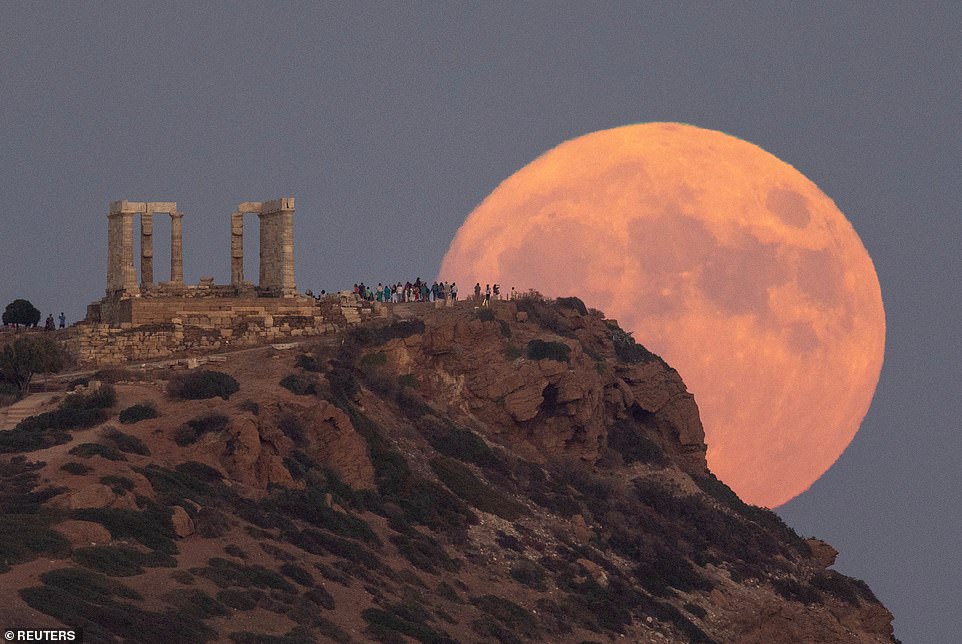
point(32, 405)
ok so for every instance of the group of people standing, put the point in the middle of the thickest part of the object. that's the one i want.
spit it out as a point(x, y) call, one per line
point(489, 292)
point(416, 291)
point(50, 325)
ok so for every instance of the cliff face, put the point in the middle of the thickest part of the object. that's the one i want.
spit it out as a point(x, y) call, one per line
point(525, 472)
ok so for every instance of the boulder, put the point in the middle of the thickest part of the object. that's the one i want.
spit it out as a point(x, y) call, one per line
point(83, 533)
point(183, 524)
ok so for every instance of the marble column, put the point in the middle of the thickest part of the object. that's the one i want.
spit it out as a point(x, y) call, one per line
point(286, 250)
point(146, 249)
point(237, 249)
point(176, 248)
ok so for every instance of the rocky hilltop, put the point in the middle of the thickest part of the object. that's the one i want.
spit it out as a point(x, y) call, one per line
point(525, 472)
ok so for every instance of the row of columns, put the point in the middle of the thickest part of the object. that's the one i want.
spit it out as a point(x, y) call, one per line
point(121, 274)
point(276, 245)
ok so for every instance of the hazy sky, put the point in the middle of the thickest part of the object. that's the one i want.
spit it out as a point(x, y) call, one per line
point(389, 122)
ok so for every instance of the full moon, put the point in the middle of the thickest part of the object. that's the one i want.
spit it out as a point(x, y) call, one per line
point(723, 259)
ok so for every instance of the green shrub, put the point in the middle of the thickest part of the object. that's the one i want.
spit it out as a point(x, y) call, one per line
point(89, 450)
point(794, 591)
point(211, 523)
point(73, 467)
point(486, 315)
point(78, 581)
point(88, 600)
point(297, 635)
point(151, 526)
point(195, 603)
point(298, 574)
point(407, 380)
point(76, 411)
point(190, 432)
point(120, 484)
point(375, 359)
point(529, 574)
point(125, 442)
point(513, 352)
point(299, 384)
point(626, 348)
point(514, 617)
point(466, 485)
point(240, 599)
point(541, 350)
point(137, 413)
point(384, 624)
point(630, 441)
point(320, 597)
point(292, 427)
point(226, 573)
point(308, 363)
point(505, 329)
point(369, 335)
point(201, 385)
point(121, 561)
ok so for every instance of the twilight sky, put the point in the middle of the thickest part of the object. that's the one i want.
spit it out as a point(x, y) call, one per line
point(389, 122)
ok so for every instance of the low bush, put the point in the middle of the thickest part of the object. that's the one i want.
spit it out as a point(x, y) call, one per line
point(293, 427)
point(73, 467)
point(794, 591)
point(90, 601)
point(626, 348)
point(240, 599)
point(308, 363)
point(541, 350)
point(516, 618)
point(201, 385)
point(121, 561)
point(385, 624)
point(190, 432)
point(424, 552)
point(151, 526)
point(137, 413)
point(407, 381)
point(486, 315)
point(226, 573)
point(120, 484)
point(476, 493)
point(125, 442)
point(513, 352)
point(529, 574)
point(195, 603)
point(298, 574)
point(320, 597)
point(297, 635)
point(628, 439)
point(299, 384)
point(89, 450)
point(211, 523)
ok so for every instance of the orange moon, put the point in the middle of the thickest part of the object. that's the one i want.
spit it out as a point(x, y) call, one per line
point(723, 259)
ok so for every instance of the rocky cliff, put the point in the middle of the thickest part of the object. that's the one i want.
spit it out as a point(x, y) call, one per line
point(526, 472)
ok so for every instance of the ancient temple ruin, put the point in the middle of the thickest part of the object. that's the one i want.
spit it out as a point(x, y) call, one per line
point(276, 249)
point(150, 319)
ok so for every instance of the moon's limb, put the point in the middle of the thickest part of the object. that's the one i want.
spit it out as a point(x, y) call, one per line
point(725, 260)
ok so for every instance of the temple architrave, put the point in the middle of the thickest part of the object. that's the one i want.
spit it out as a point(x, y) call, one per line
point(148, 319)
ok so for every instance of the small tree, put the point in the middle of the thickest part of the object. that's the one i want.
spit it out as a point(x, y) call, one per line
point(29, 355)
point(21, 312)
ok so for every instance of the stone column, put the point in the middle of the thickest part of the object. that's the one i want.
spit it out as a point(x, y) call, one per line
point(286, 249)
point(146, 249)
point(237, 249)
point(176, 248)
point(121, 274)
point(277, 247)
